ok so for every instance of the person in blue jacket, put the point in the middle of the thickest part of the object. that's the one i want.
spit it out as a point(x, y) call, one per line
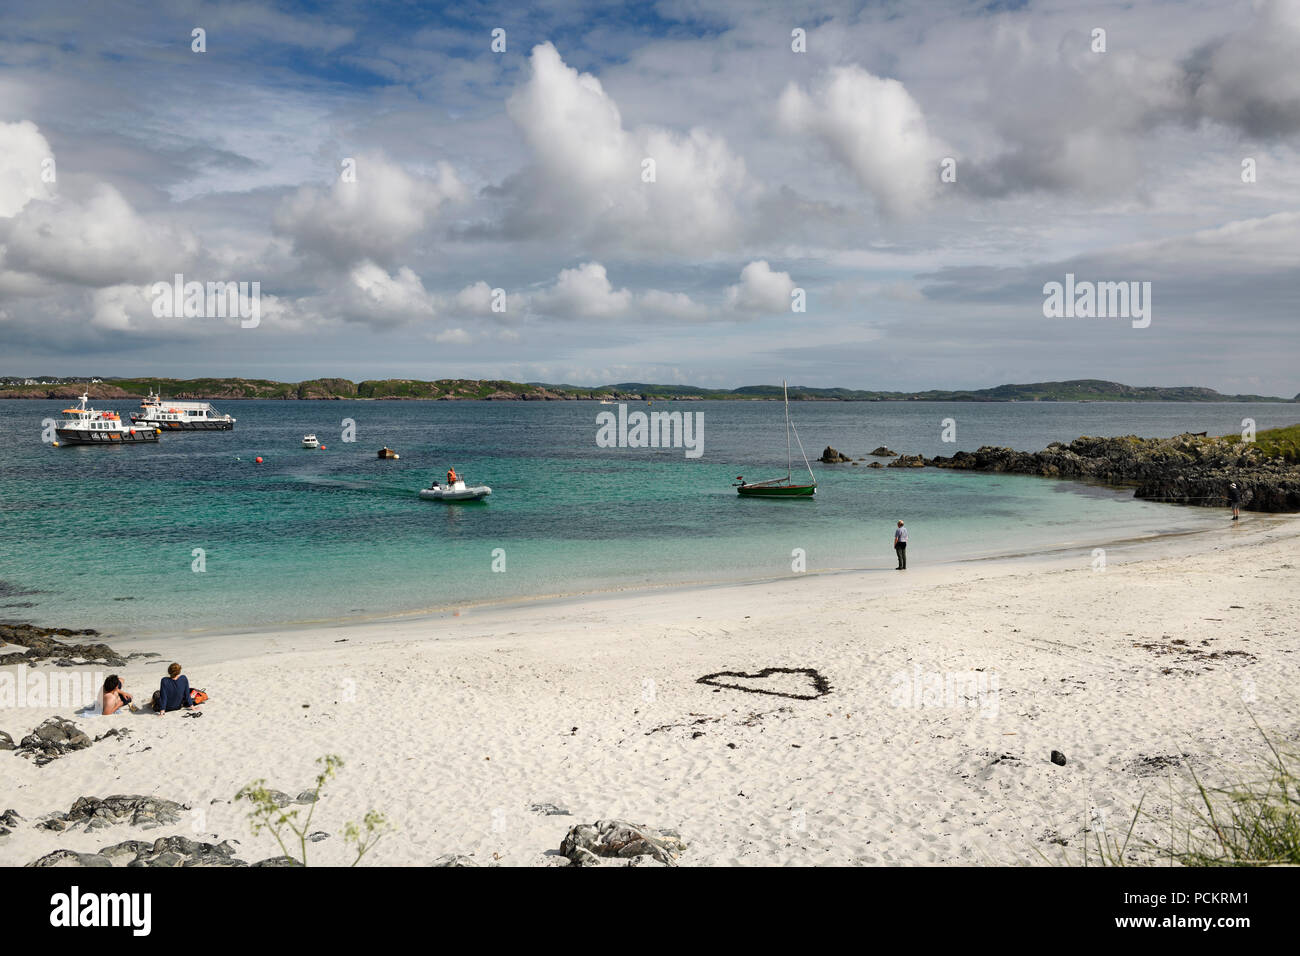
point(174, 691)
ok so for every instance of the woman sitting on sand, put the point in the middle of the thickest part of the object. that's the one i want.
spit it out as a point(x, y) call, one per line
point(174, 691)
point(114, 696)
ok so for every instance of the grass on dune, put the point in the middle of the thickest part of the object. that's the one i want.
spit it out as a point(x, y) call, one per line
point(1253, 822)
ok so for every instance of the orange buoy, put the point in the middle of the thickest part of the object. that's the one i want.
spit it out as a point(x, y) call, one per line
point(132, 431)
point(258, 459)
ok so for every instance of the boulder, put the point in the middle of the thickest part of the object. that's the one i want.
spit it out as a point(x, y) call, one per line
point(588, 843)
point(71, 858)
point(178, 851)
point(6, 742)
point(832, 457)
point(139, 811)
point(907, 461)
point(55, 737)
point(883, 452)
point(875, 464)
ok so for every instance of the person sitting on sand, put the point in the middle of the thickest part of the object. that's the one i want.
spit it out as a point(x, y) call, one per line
point(173, 692)
point(114, 696)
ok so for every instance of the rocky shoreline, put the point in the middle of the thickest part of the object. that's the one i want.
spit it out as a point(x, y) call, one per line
point(1186, 469)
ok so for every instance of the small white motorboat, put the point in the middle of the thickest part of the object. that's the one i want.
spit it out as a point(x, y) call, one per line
point(456, 491)
point(309, 441)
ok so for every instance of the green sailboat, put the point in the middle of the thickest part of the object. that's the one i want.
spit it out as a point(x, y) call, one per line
point(782, 487)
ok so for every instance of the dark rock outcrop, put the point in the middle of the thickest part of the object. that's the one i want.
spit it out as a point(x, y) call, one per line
point(169, 851)
point(832, 457)
point(138, 811)
point(1185, 469)
point(6, 742)
point(883, 452)
point(908, 461)
point(55, 737)
point(587, 843)
point(44, 645)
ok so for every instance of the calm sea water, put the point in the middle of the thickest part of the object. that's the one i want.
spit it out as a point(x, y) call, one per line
point(107, 537)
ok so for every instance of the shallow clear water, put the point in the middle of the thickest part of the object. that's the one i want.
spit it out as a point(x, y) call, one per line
point(105, 537)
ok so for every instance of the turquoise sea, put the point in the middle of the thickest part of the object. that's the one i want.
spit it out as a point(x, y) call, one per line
point(107, 537)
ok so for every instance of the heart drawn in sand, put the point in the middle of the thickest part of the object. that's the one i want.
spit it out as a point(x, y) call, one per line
point(794, 679)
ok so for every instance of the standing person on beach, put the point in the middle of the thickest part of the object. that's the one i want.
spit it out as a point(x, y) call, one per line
point(1234, 499)
point(900, 545)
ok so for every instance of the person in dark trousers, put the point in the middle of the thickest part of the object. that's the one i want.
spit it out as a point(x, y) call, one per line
point(900, 546)
point(174, 691)
point(1234, 499)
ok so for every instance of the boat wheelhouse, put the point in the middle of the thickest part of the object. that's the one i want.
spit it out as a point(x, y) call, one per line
point(84, 425)
point(181, 416)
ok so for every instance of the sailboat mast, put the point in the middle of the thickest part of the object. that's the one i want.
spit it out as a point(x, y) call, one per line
point(785, 391)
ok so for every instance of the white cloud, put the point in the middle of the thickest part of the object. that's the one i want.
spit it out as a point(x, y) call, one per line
point(675, 305)
point(875, 128)
point(588, 172)
point(375, 296)
point(583, 292)
point(478, 299)
point(1249, 79)
point(101, 241)
point(23, 152)
point(475, 299)
point(123, 308)
point(453, 337)
point(371, 218)
point(760, 290)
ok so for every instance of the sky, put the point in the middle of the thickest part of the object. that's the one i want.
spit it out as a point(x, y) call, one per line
point(867, 195)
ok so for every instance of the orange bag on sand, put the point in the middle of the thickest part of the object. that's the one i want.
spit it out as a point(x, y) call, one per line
point(197, 696)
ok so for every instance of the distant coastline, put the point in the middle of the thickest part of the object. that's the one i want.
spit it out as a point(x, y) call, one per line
point(233, 389)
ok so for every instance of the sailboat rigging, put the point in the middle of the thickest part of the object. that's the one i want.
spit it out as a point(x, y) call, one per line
point(782, 487)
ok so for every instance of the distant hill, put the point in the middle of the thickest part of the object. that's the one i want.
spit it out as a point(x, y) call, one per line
point(459, 389)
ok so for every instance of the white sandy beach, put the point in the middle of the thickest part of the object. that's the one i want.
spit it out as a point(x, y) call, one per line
point(454, 726)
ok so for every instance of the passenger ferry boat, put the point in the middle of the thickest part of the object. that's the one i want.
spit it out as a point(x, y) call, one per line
point(181, 416)
point(84, 425)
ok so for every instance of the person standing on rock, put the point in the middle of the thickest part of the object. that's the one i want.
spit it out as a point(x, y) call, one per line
point(1234, 499)
point(900, 545)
